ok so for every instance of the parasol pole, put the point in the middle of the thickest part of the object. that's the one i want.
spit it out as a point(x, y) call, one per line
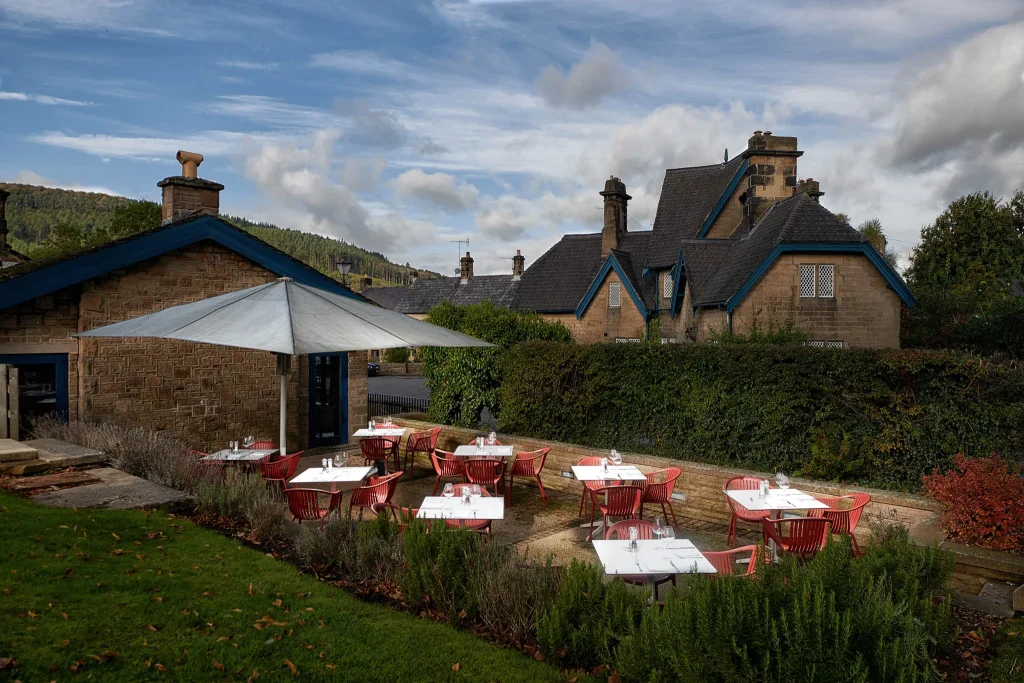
point(284, 363)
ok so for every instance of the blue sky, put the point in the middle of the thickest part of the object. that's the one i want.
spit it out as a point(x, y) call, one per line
point(401, 126)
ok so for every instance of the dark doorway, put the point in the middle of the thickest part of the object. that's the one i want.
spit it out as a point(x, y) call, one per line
point(328, 399)
point(42, 386)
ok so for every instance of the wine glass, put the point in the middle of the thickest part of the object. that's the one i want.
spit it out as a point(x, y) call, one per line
point(373, 425)
point(634, 534)
point(604, 464)
point(667, 535)
point(659, 528)
point(343, 458)
point(782, 480)
point(615, 457)
point(449, 490)
point(492, 439)
point(475, 493)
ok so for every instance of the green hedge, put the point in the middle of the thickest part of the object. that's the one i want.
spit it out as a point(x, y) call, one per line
point(881, 417)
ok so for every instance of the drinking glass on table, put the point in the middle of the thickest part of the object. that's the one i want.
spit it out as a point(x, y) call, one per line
point(604, 464)
point(323, 465)
point(667, 536)
point(782, 480)
point(449, 490)
point(475, 492)
point(342, 458)
point(615, 457)
point(659, 529)
point(372, 425)
point(492, 439)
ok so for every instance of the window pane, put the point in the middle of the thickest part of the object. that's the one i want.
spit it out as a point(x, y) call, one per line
point(667, 286)
point(826, 281)
point(833, 345)
point(806, 281)
point(614, 295)
point(816, 344)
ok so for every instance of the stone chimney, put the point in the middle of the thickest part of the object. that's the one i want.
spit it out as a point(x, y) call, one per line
point(811, 187)
point(365, 283)
point(615, 199)
point(8, 256)
point(187, 193)
point(518, 265)
point(465, 268)
point(414, 276)
point(771, 173)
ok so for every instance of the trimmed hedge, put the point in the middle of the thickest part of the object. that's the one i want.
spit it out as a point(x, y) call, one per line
point(881, 417)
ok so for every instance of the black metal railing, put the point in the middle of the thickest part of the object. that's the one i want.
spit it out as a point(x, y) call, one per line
point(388, 404)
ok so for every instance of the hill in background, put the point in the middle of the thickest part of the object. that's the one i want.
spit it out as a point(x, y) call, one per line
point(44, 221)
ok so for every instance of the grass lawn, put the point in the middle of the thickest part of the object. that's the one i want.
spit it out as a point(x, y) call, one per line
point(135, 596)
point(1008, 667)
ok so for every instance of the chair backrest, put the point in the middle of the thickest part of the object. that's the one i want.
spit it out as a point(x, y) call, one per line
point(622, 500)
point(376, 448)
point(530, 463)
point(263, 445)
point(304, 504)
point(459, 488)
point(843, 519)
point(620, 530)
point(805, 534)
point(723, 561)
point(283, 468)
point(661, 491)
point(447, 464)
point(741, 483)
point(484, 471)
point(194, 453)
point(589, 461)
point(420, 441)
point(376, 490)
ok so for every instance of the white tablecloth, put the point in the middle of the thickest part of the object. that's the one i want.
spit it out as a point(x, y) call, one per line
point(333, 475)
point(241, 455)
point(485, 452)
point(613, 473)
point(484, 507)
point(680, 557)
point(777, 500)
point(364, 432)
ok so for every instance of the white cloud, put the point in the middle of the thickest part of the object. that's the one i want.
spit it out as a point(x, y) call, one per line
point(360, 62)
point(42, 99)
point(362, 174)
point(121, 15)
point(438, 190)
point(594, 77)
point(248, 66)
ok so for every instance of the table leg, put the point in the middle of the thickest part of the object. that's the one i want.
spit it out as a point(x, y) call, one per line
point(773, 550)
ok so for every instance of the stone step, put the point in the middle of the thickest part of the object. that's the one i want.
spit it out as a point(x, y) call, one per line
point(22, 468)
point(57, 480)
point(13, 451)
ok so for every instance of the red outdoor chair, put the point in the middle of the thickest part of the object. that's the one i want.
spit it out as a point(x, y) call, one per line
point(645, 532)
point(660, 493)
point(446, 466)
point(419, 442)
point(263, 446)
point(621, 501)
point(528, 464)
point(588, 486)
point(806, 536)
point(280, 470)
point(191, 452)
point(305, 505)
point(403, 516)
point(738, 512)
point(486, 472)
point(482, 525)
point(843, 521)
point(376, 490)
point(378, 448)
point(723, 561)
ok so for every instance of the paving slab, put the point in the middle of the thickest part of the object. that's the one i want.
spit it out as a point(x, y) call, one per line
point(21, 468)
point(55, 480)
point(996, 598)
point(63, 454)
point(11, 451)
point(1018, 599)
point(115, 490)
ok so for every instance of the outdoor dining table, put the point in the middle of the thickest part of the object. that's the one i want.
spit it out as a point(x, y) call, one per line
point(620, 473)
point(652, 558)
point(474, 451)
point(441, 507)
point(365, 433)
point(335, 477)
point(242, 455)
point(776, 502)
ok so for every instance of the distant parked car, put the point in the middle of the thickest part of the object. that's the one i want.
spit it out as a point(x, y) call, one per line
point(372, 369)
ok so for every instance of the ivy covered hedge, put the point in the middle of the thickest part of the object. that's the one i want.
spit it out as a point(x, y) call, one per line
point(880, 417)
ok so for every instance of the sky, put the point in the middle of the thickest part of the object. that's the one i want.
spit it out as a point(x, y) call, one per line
point(403, 127)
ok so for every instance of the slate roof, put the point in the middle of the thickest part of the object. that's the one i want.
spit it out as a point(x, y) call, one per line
point(558, 280)
point(385, 297)
point(687, 197)
point(423, 295)
point(717, 269)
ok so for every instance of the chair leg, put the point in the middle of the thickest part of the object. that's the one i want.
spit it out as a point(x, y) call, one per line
point(508, 492)
point(583, 497)
point(856, 546)
point(730, 538)
point(540, 485)
point(437, 482)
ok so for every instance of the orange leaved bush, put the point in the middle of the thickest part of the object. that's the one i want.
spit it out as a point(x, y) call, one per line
point(982, 502)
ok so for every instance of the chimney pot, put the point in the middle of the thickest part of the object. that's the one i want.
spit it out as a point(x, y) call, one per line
point(615, 202)
point(189, 163)
point(518, 265)
point(188, 193)
point(465, 268)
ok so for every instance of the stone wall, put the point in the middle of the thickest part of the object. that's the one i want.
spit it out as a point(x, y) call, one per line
point(401, 368)
point(603, 324)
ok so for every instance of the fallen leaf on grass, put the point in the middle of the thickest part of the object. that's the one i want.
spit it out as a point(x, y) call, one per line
point(538, 655)
point(110, 654)
point(255, 675)
point(218, 666)
point(250, 584)
point(156, 598)
point(222, 639)
point(116, 537)
point(7, 663)
point(258, 626)
point(79, 664)
point(295, 672)
point(117, 551)
point(456, 666)
point(160, 667)
point(276, 603)
point(152, 628)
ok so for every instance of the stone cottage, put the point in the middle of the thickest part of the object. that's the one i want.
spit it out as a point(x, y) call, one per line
point(204, 394)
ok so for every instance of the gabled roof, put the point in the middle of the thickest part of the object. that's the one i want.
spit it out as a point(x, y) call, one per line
point(620, 262)
point(385, 297)
point(423, 295)
point(41, 276)
point(688, 197)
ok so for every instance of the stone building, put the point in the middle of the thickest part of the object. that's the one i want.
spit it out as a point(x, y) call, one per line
point(204, 394)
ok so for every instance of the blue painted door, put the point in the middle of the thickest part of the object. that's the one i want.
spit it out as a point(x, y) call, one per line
point(328, 399)
point(42, 385)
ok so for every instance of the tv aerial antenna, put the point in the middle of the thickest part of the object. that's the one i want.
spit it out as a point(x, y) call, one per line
point(458, 259)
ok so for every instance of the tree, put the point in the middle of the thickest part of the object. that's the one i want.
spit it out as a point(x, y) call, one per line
point(871, 230)
point(129, 218)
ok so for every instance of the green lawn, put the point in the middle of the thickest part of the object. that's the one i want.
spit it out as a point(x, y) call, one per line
point(136, 596)
point(1008, 666)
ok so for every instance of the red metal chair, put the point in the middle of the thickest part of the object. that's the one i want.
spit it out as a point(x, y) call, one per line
point(419, 442)
point(807, 535)
point(280, 470)
point(645, 532)
point(723, 561)
point(660, 492)
point(483, 525)
point(615, 501)
point(446, 466)
point(528, 464)
point(193, 453)
point(305, 506)
point(263, 446)
point(738, 512)
point(378, 448)
point(376, 490)
point(403, 516)
point(486, 472)
point(588, 486)
point(843, 521)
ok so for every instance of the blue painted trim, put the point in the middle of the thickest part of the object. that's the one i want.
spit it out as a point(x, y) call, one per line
point(894, 280)
point(610, 263)
point(96, 263)
point(675, 284)
point(740, 172)
point(342, 404)
point(58, 359)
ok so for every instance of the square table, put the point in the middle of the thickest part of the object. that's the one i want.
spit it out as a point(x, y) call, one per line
point(776, 501)
point(334, 476)
point(613, 473)
point(679, 556)
point(243, 455)
point(380, 431)
point(473, 451)
point(440, 507)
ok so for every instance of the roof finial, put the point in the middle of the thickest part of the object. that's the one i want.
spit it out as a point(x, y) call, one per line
point(727, 154)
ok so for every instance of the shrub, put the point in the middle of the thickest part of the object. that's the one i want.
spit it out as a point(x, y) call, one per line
point(329, 548)
point(881, 417)
point(439, 568)
point(982, 502)
point(379, 553)
point(510, 591)
point(588, 617)
point(465, 381)
point(836, 618)
point(398, 355)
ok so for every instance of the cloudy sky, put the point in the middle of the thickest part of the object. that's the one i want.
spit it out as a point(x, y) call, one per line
point(403, 125)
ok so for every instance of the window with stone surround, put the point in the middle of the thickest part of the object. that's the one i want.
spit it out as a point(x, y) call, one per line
point(817, 281)
point(806, 281)
point(614, 295)
point(666, 286)
point(826, 281)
